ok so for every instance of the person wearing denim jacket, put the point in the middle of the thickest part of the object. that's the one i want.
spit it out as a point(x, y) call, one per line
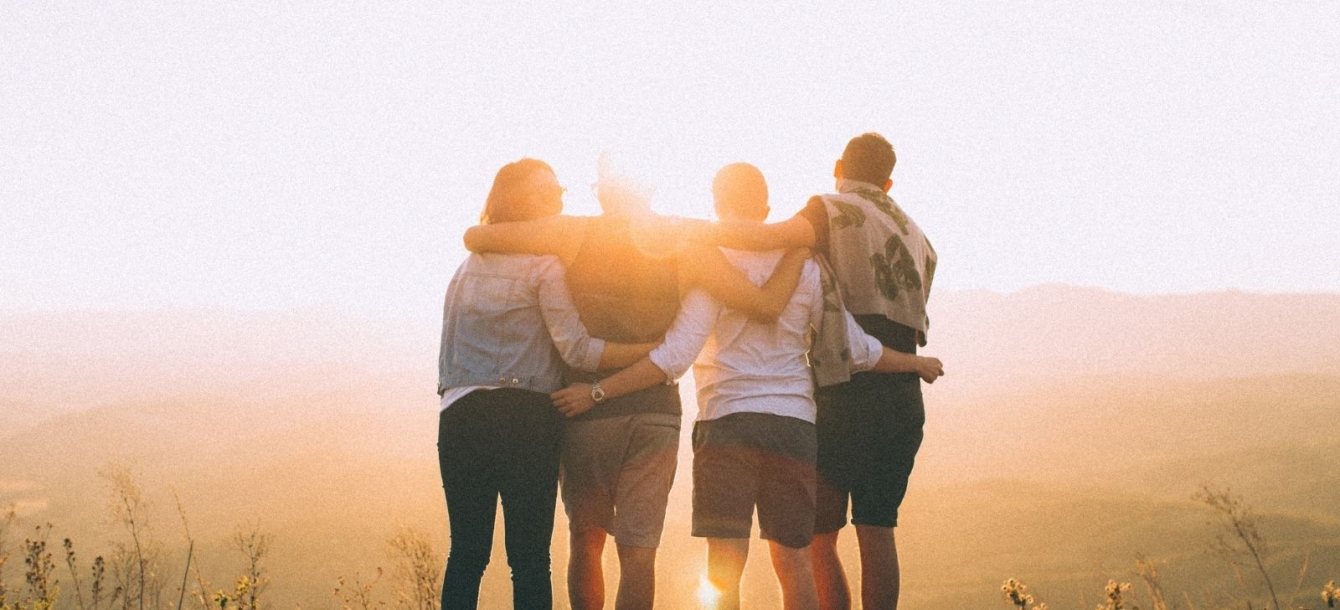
point(508, 326)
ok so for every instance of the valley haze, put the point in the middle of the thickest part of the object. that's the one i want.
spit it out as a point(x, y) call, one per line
point(1070, 432)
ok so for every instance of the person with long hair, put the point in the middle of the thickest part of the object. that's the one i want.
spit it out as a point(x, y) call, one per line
point(508, 326)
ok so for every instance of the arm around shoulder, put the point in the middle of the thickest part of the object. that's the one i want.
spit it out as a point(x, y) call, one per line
point(706, 268)
point(794, 232)
point(557, 235)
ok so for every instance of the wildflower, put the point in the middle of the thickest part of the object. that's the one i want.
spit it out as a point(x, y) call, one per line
point(1017, 593)
point(1330, 594)
point(1115, 601)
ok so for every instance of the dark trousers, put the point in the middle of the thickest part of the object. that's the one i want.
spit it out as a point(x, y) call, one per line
point(491, 444)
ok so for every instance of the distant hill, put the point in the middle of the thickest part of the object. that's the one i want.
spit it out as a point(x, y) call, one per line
point(1069, 434)
point(54, 363)
point(1080, 425)
point(991, 340)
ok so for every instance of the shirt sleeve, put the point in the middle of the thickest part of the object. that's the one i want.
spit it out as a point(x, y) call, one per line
point(575, 344)
point(812, 288)
point(817, 214)
point(865, 349)
point(687, 335)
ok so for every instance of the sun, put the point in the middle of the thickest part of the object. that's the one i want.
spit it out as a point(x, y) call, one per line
point(708, 595)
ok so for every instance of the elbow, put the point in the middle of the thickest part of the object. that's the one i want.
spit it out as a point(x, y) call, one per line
point(585, 365)
point(472, 240)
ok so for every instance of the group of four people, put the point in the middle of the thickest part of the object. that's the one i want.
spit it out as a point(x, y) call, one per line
point(803, 407)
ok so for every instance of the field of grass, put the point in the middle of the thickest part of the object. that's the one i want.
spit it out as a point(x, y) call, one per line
point(1063, 506)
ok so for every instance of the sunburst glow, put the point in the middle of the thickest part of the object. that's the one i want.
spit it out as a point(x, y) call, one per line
point(708, 595)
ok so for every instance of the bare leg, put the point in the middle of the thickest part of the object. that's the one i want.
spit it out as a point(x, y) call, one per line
point(637, 579)
point(829, 580)
point(586, 575)
point(879, 567)
point(725, 565)
point(795, 573)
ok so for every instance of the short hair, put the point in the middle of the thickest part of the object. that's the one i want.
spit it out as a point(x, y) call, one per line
point(868, 158)
point(509, 199)
point(739, 189)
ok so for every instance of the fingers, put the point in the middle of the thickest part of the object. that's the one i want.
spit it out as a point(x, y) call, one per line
point(931, 369)
point(575, 408)
point(572, 400)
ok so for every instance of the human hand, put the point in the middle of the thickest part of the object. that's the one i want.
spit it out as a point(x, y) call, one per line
point(929, 369)
point(573, 400)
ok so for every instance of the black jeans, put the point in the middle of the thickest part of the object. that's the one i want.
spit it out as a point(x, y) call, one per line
point(490, 444)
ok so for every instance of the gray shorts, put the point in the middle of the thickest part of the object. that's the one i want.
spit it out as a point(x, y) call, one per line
point(616, 474)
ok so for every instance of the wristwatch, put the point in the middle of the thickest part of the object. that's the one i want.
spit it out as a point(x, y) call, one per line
point(597, 393)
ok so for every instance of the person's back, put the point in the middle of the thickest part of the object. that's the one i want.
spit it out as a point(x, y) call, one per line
point(623, 293)
point(507, 323)
point(619, 458)
point(751, 366)
point(495, 331)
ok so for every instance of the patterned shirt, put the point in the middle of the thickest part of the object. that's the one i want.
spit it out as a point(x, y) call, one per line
point(883, 262)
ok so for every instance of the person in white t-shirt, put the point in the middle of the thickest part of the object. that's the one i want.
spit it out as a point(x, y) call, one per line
point(754, 439)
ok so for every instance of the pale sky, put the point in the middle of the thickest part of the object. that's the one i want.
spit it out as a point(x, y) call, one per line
point(263, 155)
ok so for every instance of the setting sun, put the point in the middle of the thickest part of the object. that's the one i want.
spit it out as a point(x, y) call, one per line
point(708, 595)
point(227, 230)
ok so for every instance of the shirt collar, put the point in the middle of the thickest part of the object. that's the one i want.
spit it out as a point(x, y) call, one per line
point(846, 186)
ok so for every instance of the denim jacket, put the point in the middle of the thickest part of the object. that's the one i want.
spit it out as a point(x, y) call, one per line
point(509, 321)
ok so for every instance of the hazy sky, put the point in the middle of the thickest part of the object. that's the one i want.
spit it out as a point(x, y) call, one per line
point(274, 155)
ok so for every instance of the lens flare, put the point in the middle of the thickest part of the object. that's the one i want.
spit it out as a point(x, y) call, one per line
point(707, 594)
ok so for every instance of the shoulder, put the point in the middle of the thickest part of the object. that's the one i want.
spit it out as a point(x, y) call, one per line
point(815, 208)
point(500, 263)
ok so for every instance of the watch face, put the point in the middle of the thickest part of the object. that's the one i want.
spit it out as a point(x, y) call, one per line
point(597, 393)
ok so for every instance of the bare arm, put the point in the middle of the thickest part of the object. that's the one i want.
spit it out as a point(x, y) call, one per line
point(576, 398)
point(686, 337)
point(794, 232)
point(574, 343)
point(706, 268)
point(867, 354)
point(891, 361)
point(620, 355)
point(560, 236)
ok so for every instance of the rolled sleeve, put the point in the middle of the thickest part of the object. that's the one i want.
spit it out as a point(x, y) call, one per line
point(575, 344)
point(687, 335)
point(865, 349)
